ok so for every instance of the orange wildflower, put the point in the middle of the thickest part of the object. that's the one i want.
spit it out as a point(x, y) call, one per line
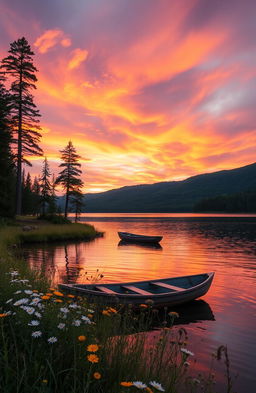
point(58, 301)
point(81, 338)
point(45, 297)
point(93, 358)
point(57, 293)
point(143, 306)
point(93, 348)
point(3, 315)
point(71, 296)
point(127, 384)
point(97, 375)
point(89, 315)
point(112, 310)
point(106, 312)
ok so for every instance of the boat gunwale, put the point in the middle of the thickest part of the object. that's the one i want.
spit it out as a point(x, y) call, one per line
point(134, 236)
point(90, 291)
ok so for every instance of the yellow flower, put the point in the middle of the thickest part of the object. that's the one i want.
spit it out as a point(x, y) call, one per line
point(45, 297)
point(44, 381)
point(93, 358)
point(81, 338)
point(97, 375)
point(57, 293)
point(3, 315)
point(93, 348)
point(127, 384)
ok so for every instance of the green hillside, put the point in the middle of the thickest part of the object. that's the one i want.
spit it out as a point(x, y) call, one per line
point(179, 196)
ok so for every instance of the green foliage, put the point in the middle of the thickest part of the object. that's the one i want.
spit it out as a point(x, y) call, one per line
point(244, 202)
point(55, 218)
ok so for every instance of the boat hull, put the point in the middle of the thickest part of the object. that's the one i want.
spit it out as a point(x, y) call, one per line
point(131, 237)
point(166, 298)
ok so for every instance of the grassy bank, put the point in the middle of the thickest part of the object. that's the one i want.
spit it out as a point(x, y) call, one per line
point(54, 342)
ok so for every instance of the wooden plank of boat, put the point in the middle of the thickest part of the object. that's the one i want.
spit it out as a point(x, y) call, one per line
point(169, 291)
point(132, 237)
point(168, 286)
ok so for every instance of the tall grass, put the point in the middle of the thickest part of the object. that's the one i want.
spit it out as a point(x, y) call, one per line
point(52, 342)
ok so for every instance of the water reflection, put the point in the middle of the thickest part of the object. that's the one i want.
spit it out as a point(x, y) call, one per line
point(154, 246)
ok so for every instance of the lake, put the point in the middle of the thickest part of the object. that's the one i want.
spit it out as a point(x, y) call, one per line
point(192, 243)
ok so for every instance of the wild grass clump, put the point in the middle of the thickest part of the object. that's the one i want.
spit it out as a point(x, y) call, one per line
point(53, 342)
point(54, 218)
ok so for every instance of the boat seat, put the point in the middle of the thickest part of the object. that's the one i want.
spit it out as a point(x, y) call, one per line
point(137, 290)
point(105, 290)
point(167, 286)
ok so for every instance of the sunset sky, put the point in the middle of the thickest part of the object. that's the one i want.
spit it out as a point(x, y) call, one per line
point(147, 90)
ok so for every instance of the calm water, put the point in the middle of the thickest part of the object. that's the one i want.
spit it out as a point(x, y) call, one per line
point(191, 244)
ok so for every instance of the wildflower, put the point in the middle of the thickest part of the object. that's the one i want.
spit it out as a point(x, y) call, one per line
point(187, 352)
point(71, 296)
point(29, 310)
point(35, 291)
point(90, 315)
point(93, 358)
point(57, 293)
point(65, 310)
point(113, 310)
point(73, 306)
point(126, 384)
point(150, 302)
point(52, 340)
point(81, 338)
point(36, 334)
point(91, 311)
point(93, 348)
point(3, 315)
point(77, 322)
point(173, 314)
point(45, 297)
point(61, 326)
point(143, 306)
point(17, 292)
point(35, 301)
point(28, 291)
point(33, 323)
point(148, 390)
point(139, 385)
point(86, 319)
point(106, 312)
point(44, 381)
point(97, 375)
point(58, 301)
point(51, 289)
point(21, 301)
point(157, 386)
point(8, 301)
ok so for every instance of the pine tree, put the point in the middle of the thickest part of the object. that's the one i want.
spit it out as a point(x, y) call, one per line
point(77, 202)
point(27, 194)
point(52, 208)
point(69, 177)
point(36, 197)
point(19, 65)
point(45, 186)
point(7, 171)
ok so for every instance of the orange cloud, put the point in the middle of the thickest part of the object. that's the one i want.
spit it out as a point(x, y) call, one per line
point(51, 38)
point(78, 56)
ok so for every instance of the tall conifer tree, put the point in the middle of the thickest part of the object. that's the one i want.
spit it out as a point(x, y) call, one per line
point(69, 177)
point(7, 173)
point(19, 65)
point(45, 185)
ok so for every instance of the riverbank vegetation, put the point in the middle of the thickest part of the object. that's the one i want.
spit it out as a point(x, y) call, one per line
point(52, 341)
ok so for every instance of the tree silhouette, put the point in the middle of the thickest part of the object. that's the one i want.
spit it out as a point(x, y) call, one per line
point(7, 174)
point(69, 177)
point(19, 65)
point(45, 185)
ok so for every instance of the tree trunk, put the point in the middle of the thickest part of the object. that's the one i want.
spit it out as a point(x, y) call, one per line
point(19, 158)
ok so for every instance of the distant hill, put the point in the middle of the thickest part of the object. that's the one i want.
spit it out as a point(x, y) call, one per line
point(175, 196)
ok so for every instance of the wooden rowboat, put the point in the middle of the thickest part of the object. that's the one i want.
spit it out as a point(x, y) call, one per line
point(168, 291)
point(132, 237)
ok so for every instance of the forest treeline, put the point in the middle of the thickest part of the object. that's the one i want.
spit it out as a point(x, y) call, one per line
point(20, 138)
point(243, 202)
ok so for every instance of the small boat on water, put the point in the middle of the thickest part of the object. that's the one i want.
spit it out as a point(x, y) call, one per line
point(163, 292)
point(132, 237)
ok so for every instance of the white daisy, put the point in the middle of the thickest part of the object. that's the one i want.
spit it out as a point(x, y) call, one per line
point(38, 315)
point(29, 310)
point(187, 352)
point(21, 301)
point(28, 291)
point(33, 323)
point(52, 340)
point(157, 386)
point(17, 292)
point(65, 310)
point(74, 306)
point(36, 334)
point(86, 319)
point(139, 385)
point(76, 322)
point(61, 326)
point(9, 301)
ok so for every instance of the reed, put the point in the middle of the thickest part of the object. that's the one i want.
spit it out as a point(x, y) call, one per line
point(56, 342)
